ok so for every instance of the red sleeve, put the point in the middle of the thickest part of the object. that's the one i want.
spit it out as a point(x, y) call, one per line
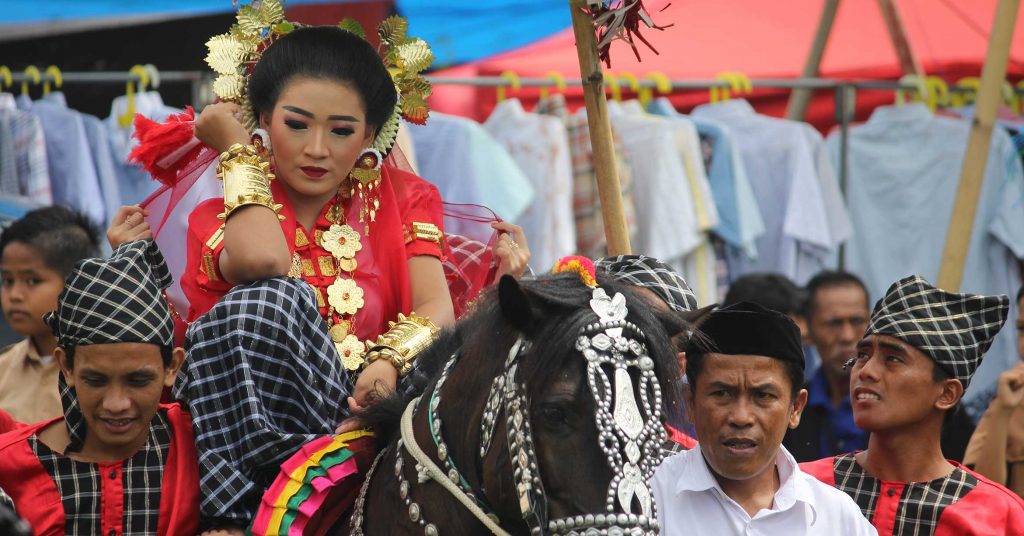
point(421, 209)
point(824, 470)
point(179, 496)
point(989, 508)
point(678, 436)
point(202, 281)
point(23, 477)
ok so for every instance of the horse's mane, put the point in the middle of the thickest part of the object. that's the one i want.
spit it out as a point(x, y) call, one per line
point(559, 307)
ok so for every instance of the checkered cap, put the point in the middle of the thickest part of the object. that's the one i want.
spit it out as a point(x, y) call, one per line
point(953, 329)
point(119, 299)
point(653, 275)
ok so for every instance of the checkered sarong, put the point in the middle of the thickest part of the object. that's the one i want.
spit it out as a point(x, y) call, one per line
point(261, 379)
point(921, 503)
point(80, 488)
point(953, 329)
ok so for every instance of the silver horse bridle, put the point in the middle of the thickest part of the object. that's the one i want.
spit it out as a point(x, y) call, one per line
point(629, 426)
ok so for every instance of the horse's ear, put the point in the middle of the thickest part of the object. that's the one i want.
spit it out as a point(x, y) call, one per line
point(682, 326)
point(515, 304)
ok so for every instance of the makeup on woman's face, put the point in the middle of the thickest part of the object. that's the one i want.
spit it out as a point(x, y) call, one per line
point(317, 131)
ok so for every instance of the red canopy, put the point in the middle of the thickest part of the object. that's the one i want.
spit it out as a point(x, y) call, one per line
point(762, 40)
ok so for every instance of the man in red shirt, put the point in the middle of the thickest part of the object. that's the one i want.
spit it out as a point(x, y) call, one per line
point(921, 348)
point(118, 462)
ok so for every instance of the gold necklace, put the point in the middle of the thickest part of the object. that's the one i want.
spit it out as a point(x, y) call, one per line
point(344, 296)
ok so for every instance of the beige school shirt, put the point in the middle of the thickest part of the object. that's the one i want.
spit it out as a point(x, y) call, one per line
point(28, 384)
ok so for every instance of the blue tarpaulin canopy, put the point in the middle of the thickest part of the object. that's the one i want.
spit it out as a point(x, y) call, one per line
point(31, 18)
point(465, 30)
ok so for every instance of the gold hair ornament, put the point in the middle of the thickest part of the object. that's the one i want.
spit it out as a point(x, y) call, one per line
point(233, 54)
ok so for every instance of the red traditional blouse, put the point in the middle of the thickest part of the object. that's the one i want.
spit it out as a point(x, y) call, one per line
point(59, 496)
point(962, 503)
point(409, 222)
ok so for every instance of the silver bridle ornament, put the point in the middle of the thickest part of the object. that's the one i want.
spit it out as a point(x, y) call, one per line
point(613, 350)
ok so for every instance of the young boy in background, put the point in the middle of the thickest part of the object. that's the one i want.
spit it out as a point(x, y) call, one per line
point(37, 253)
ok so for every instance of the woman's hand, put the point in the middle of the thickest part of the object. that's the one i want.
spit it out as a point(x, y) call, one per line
point(128, 224)
point(511, 253)
point(378, 379)
point(219, 126)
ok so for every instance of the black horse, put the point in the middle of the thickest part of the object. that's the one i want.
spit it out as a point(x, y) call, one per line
point(544, 411)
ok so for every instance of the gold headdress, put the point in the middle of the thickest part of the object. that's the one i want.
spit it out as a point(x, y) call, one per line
point(233, 54)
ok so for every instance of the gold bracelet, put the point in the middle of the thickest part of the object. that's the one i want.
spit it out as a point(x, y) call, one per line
point(403, 341)
point(246, 176)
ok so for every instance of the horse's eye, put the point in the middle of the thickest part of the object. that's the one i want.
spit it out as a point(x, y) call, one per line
point(554, 416)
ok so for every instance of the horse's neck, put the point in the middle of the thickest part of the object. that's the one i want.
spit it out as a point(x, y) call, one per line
point(386, 513)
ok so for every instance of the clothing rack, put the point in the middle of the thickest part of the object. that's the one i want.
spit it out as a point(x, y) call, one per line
point(199, 80)
point(844, 91)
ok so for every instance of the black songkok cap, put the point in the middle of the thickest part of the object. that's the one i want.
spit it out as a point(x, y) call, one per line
point(746, 328)
point(953, 329)
point(113, 300)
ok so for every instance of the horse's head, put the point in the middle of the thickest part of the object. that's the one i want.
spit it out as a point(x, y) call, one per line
point(550, 414)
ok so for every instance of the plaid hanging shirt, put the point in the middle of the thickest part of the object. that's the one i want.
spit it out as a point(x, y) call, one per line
point(155, 491)
point(961, 503)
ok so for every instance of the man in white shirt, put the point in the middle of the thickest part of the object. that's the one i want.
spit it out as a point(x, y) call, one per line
point(745, 370)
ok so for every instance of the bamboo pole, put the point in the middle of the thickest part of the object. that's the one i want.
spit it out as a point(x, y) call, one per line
point(608, 188)
point(909, 63)
point(799, 99)
point(958, 237)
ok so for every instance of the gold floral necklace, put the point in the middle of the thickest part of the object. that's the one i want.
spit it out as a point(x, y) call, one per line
point(344, 296)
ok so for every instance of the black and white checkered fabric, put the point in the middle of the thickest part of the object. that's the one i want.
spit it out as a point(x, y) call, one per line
point(80, 484)
point(953, 329)
point(920, 504)
point(653, 275)
point(119, 299)
point(261, 379)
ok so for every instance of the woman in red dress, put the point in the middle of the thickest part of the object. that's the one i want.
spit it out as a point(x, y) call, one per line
point(370, 249)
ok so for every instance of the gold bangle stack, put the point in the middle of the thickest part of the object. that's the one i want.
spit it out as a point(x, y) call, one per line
point(403, 341)
point(246, 176)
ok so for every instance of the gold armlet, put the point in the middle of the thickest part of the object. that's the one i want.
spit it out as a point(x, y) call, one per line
point(403, 342)
point(246, 176)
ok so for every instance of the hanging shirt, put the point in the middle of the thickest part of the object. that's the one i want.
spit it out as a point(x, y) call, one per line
point(783, 164)
point(28, 384)
point(134, 185)
point(962, 503)
point(666, 220)
point(691, 502)
point(904, 170)
point(468, 166)
point(700, 265)
point(586, 202)
point(540, 147)
point(73, 179)
point(739, 219)
point(155, 491)
point(23, 168)
point(106, 166)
